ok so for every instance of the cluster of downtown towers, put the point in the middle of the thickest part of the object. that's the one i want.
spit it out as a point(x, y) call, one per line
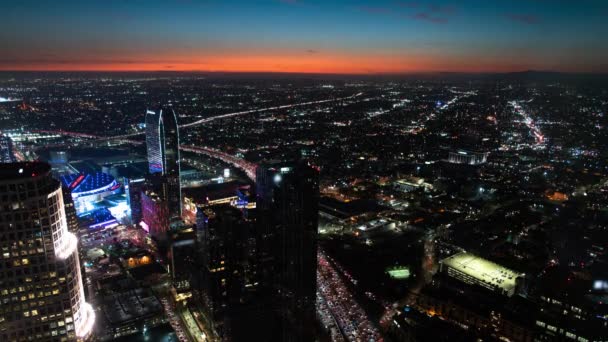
point(253, 270)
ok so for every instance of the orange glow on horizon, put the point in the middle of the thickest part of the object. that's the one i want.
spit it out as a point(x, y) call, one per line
point(281, 63)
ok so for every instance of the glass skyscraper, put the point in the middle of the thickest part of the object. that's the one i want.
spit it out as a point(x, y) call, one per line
point(162, 140)
point(41, 288)
point(288, 202)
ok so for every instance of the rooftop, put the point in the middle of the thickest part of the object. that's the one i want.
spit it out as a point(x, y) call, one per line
point(120, 308)
point(483, 270)
point(85, 183)
point(23, 170)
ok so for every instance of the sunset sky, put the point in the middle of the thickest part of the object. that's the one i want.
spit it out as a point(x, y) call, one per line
point(357, 36)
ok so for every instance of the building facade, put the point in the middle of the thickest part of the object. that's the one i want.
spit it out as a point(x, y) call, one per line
point(41, 289)
point(6, 150)
point(181, 256)
point(155, 214)
point(288, 205)
point(228, 283)
point(133, 189)
point(162, 141)
point(468, 157)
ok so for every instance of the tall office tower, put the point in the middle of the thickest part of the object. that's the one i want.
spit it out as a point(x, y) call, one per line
point(6, 150)
point(155, 214)
point(70, 210)
point(41, 289)
point(182, 254)
point(228, 283)
point(162, 140)
point(288, 200)
point(133, 188)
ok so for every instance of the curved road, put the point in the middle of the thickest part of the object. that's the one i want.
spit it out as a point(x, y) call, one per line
point(229, 115)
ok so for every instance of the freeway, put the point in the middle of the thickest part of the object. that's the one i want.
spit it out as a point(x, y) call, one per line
point(342, 306)
point(248, 168)
point(245, 166)
point(224, 116)
point(230, 115)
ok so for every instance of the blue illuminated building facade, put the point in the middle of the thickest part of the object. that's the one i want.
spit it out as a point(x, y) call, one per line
point(155, 162)
point(89, 188)
point(162, 140)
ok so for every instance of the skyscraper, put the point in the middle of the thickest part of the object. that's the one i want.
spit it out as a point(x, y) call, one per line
point(41, 289)
point(182, 252)
point(162, 140)
point(134, 188)
point(228, 282)
point(288, 200)
point(155, 214)
point(6, 150)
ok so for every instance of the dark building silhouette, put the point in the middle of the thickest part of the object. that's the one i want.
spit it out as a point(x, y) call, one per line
point(182, 254)
point(134, 189)
point(288, 201)
point(228, 282)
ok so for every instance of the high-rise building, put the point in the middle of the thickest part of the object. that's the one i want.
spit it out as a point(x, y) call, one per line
point(6, 150)
point(155, 214)
point(41, 289)
point(228, 283)
point(162, 140)
point(133, 189)
point(182, 253)
point(288, 200)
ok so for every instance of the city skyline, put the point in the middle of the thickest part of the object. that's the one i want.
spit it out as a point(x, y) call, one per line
point(303, 170)
point(306, 36)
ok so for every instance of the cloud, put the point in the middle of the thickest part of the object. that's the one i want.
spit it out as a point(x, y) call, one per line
point(375, 10)
point(311, 51)
point(409, 4)
point(44, 60)
point(442, 9)
point(523, 18)
point(424, 16)
point(432, 13)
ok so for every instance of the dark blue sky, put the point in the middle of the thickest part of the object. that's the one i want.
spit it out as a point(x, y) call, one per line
point(382, 36)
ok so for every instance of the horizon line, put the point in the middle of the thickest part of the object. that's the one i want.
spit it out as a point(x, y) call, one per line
point(309, 73)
